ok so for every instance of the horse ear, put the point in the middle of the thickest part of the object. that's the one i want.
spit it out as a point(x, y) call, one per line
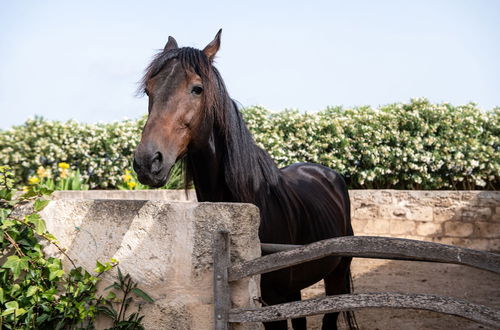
point(211, 49)
point(171, 44)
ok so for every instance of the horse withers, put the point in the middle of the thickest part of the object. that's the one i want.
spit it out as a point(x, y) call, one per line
point(192, 119)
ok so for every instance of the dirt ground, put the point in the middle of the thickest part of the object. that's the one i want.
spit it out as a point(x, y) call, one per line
point(371, 275)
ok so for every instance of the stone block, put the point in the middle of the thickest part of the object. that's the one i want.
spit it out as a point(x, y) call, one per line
point(402, 227)
point(441, 214)
point(487, 229)
point(476, 214)
point(496, 217)
point(376, 227)
point(420, 213)
point(358, 226)
point(429, 229)
point(458, 229)
point(166, 247)
point(393, 212)
point(366, 212)
point(481, 244)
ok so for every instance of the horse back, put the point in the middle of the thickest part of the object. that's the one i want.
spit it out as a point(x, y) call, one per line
point(321, 202)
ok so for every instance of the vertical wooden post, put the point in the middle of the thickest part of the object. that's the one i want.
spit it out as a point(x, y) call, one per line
point(222, 300)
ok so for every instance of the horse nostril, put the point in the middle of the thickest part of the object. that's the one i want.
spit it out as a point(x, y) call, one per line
point(156, 162)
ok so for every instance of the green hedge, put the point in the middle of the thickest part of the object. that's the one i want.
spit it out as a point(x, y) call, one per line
point(417, 145)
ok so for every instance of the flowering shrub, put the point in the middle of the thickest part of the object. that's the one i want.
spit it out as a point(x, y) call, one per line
point(417, 145)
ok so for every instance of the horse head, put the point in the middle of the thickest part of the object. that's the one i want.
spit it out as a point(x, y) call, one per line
point(181, 86)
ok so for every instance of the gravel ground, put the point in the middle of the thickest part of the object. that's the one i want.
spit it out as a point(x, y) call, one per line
point(371, 275)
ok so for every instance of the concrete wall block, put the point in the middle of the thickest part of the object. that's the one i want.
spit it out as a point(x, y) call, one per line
point(458, 229)
point(166, 247)
point(430, 229)
point(402, 227)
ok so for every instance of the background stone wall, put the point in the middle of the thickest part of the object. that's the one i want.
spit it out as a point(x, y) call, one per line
point(464, 218)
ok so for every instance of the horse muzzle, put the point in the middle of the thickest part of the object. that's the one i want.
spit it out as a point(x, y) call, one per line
point(152, 169)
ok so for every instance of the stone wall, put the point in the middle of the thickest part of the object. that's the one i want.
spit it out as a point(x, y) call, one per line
point(166, 247)
point(464, 218)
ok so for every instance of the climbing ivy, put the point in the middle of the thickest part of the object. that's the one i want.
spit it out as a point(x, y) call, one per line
point(35, 291)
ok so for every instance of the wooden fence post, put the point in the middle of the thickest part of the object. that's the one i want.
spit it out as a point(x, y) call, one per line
point(222, 301)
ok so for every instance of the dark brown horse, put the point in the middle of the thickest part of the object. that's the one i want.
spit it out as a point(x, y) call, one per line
point(193, 119)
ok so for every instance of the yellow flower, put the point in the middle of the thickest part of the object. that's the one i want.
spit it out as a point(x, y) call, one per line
point(63, 165)
point(131, 184)
point(127, 177)
point(25, 188)
point(64, 173)
point(42, 172)
point(32, 180)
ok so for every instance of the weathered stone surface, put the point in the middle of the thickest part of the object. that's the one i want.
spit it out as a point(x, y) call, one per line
point(165, 246)
point(458, 229)
point(164, 195)
point(376, 227)
point(476, 214)
point(442, 214)
point(487, 229)
point(478, 244)
point(365, 212)
point(358, 226)
point(428, 229)
point(401, 227)
point(410, 212)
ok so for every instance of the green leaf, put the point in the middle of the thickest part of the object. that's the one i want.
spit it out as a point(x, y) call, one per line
point(111, 295)
point(120, 275)
point(55, 273)
point(99, 268)
point(142, 294)
point(108, 311)
point(32, 290)
point(40, 204)
point(16, 265)
point(12, 304)
point(2, 296)
point(38, 222)
point(8, 223)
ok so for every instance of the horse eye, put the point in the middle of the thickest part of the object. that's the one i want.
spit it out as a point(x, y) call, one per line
point(197, 90)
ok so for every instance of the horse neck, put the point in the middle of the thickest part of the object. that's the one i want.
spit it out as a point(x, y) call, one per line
point(204, 166)
point(231, 167)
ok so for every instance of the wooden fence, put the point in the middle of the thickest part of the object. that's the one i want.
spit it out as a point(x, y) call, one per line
point(283, 256)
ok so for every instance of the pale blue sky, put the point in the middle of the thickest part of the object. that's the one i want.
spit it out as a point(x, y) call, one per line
point(63, 59)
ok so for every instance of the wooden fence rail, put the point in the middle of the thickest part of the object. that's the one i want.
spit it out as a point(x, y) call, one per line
point(330, 304)
point(368, 247)
point(354, 246)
